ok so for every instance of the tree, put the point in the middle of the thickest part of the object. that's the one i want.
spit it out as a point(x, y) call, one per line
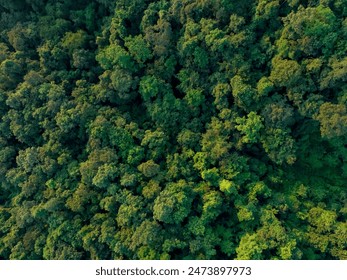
point(138, 48)
point(285, 73)
point(173, 204)
point(11, 73)
point(243, 93)
point(333, 120)
point(250, 127)
point(149, 168)
point(309, 32)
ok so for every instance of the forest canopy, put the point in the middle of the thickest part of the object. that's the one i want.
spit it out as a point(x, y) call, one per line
point(173, 129)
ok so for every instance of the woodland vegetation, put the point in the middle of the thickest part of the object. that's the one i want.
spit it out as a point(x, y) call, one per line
point(173, 129)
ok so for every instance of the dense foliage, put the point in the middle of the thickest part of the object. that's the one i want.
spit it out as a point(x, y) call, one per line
point(173, 129)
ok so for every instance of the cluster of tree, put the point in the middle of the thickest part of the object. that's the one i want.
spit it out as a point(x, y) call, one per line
point(173, 129)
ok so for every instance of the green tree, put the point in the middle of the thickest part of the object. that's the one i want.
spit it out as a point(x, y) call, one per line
point(173, 204)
